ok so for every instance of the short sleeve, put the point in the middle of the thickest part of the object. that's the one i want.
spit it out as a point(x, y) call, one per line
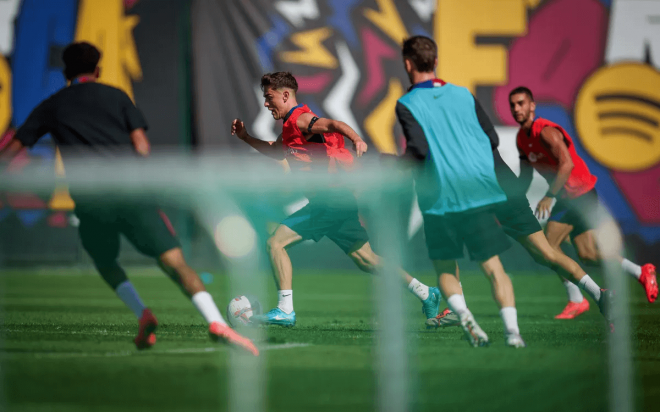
point(36, 125)
point(132, 115)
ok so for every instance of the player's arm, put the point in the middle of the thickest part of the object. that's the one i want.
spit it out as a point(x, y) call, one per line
point(35, 126)
point(417, 147)
point(137, 125)
point(553, 140)
point(526, 171)
point(140, 142)
point(311, 125)
point(486, 125)
point(271, 149)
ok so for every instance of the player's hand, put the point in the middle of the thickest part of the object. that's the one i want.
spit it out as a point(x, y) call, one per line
point(544, 208)
point(238, 129)
point(360, 147)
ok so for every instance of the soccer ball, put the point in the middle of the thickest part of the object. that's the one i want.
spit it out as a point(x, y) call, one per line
point(241, 309)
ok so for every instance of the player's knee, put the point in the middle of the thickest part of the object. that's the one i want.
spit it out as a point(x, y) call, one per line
point(589, 257)
point(364, 261)
point(273, 244)
point(173, 258)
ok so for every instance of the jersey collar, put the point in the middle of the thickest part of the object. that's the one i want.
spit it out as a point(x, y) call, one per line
point(291, 112)
point(82, 79)
point(428, 84)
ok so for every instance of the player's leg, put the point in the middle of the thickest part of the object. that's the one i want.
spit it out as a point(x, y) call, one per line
point(368, 261)
point(151, 232)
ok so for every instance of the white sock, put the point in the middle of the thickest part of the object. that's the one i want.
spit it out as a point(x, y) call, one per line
point(419, 289)
point(510, 318)
point(631, 268)
point(574, 294)
point(130, 297)
point(457, 304)
point(203, 301)
point(285, 302)
point(588, 285)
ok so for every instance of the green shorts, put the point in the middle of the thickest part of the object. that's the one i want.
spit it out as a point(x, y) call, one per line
point(145, 226)
point(476, 229)
point(517, 218)
point(335, 218)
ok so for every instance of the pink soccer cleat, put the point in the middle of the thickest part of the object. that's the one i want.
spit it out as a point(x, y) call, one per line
point(225, 334)
point(649, 281)
point(573, 310)
point(146, 337)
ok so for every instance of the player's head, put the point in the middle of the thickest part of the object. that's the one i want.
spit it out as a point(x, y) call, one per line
point(279, 92)
point(521, 103)
point(81, 58)
point(420, 54)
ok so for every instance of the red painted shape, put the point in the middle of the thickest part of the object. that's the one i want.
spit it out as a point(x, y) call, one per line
point(58, 219)
point(642, 189)
point(6, 137)
point(564, 45)
point(375, 50)
point(313, 84)
point(25, 201)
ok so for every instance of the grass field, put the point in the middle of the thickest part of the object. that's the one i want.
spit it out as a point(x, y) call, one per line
point(67, 346)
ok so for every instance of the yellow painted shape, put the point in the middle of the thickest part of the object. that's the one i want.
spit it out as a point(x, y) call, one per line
point(103, 24)
point(622, 133)
point(533, 3)
point(5, 95)
point(380, 123)
point(388, 20)
point(312, 52)
point(456, 26)
point(61, 200)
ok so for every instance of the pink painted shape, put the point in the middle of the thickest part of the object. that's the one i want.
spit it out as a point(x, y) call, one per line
point(6, 137)
point(128, 4)
point(313, 84)
point(375, 50)
point(565, 44)
point(25, 201)
point(642, 189)
point(58, 219)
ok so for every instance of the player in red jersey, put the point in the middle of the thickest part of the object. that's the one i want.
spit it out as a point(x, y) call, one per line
point(549, 149)
point(308, 142)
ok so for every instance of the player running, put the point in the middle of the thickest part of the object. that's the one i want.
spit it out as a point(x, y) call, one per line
point(308, 142)
point(547, 147)
point(93, 121)
point(456, 186)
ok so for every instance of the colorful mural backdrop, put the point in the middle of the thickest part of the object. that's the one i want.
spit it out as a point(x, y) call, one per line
point(592, 64)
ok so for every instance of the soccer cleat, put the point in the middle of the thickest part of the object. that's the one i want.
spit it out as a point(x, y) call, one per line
point(223, 333)
point(431, 304)
point(514, 340)
point(475, 336)
point(605, 304)
point(649, 281)
point(574, 309)
point(146, 337)
point(444, 319)
point(275, 317)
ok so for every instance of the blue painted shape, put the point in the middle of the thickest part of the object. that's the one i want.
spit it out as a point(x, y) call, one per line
point(267, 42)
point(40, 26)
point(607, 188)
point(341, 19)
point(418, 30)
point(4, 212)
point(30, 218)
point(606, 3)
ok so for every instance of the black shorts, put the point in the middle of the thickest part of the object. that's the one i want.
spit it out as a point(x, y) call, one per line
point(517, 218)
point(477, 229)
point(336, 218)
point(145, 226)
point(584, 212)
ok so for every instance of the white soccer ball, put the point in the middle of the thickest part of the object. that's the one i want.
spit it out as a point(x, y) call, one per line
point(241, 309)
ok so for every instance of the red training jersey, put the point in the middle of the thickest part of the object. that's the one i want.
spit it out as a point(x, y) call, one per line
point(321, 150)
point(579, 182)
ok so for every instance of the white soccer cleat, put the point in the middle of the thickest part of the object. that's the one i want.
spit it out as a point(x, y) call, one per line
point(515, 341)
point(474, 334)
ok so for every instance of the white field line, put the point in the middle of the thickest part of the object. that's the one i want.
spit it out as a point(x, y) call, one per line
point(218, 348)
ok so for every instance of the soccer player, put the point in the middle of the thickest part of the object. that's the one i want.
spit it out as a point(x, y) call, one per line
point(92, 121)
point(456, 186)
point(547, 147)
point(308, 142)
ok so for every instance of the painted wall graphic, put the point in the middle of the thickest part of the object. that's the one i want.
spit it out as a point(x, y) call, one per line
point(592, 64)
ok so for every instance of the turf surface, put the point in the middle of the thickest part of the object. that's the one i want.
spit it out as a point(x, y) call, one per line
point(67, 347)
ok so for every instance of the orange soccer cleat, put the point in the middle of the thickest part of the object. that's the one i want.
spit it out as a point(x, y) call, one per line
point(573, 310)
point(146, 337)
point(649, 281)
point(225, 334)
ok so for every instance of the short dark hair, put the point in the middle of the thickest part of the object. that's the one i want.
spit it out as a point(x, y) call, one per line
point(522, 89)
point(80, 58)
point(422, 51)
point(278, 80)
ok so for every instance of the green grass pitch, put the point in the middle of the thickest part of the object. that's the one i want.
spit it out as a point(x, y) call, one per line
point(67, 346)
